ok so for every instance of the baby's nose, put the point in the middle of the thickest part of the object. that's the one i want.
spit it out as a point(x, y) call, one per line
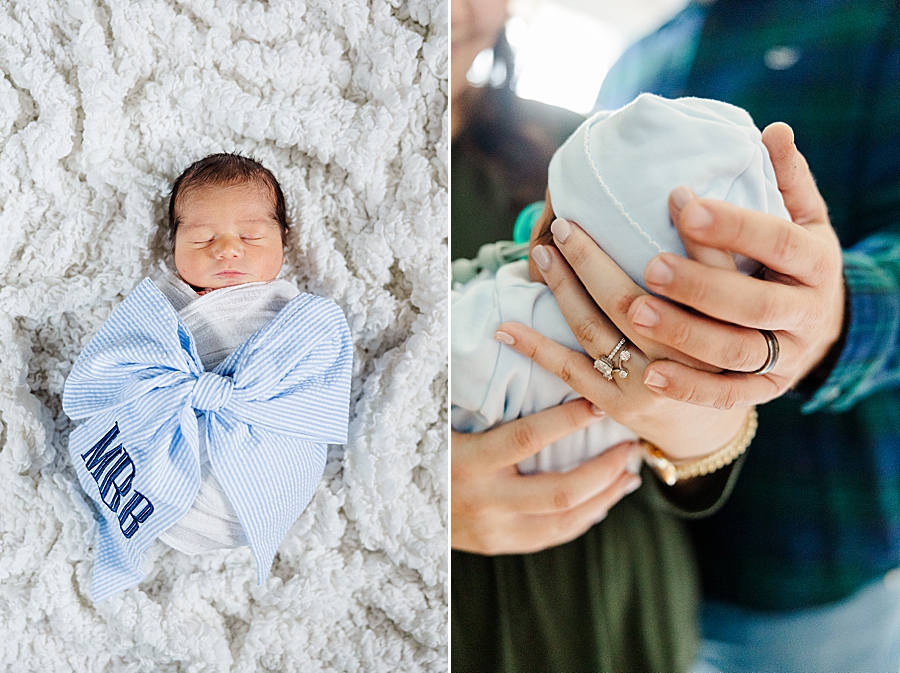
point(228, 247)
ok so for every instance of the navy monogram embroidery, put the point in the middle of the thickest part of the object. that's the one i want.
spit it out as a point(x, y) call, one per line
point(113, 470)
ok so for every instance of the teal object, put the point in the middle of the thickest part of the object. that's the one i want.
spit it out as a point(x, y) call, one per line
point(525, 221)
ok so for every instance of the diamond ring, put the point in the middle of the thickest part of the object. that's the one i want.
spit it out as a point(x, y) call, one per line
point(610, 365)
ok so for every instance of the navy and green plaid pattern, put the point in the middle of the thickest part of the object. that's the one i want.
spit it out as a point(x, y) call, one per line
point(816, 512)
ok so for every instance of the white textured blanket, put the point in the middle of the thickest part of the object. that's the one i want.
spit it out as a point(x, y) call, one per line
point(102, 104)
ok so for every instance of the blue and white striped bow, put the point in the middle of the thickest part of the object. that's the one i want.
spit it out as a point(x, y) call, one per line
point(267, 411)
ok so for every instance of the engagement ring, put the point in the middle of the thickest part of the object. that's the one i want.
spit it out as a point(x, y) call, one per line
point(610, 367)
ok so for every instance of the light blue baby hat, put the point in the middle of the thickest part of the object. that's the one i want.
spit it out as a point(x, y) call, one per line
point(613, 175)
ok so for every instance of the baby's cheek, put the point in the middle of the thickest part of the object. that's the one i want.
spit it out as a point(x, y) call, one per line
point(271, 264)
point(186, 265)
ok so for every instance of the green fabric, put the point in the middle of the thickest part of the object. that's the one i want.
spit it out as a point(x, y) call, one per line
point(622, 597)
point(499, 166)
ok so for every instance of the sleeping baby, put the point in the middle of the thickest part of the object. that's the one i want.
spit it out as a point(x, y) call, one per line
point(210, 397)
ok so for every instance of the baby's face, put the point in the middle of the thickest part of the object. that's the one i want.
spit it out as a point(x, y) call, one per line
point(227, 235)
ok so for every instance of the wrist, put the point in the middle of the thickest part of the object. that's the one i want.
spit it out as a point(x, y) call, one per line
point(673, 470)
point(807, 386)
point(698, 434)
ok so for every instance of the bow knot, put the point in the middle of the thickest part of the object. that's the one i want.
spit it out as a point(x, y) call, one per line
point(211, 392)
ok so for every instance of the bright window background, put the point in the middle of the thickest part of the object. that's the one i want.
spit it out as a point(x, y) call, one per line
point(564, 48)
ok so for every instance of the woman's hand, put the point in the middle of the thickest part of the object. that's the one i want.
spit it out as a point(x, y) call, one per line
point(800, 299)
point(496, 510)
point(683, 431)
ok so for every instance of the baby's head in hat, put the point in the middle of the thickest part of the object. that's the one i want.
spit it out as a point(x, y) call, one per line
point(613, 176)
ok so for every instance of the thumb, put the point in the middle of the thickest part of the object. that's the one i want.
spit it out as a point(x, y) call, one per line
point(795, 182)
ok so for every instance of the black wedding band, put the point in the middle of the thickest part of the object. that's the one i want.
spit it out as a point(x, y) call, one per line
point(772, 356)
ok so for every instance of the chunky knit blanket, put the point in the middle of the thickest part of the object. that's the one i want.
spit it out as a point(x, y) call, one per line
point(102, 104)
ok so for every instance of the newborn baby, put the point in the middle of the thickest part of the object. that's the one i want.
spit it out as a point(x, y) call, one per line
point(211, 398)
point(228, 225)
point(613, 177)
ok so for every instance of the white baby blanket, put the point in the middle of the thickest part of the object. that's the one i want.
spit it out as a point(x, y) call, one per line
point(493, 384)
point(220, 321)
point(266, 411)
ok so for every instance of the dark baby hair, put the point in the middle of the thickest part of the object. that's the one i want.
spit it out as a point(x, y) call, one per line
point(227, 170)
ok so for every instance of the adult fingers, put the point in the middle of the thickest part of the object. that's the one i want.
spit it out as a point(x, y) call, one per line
point(721, 345)
point(778, 244)
point(708, 256)
point(594, 330)
point(562, 527)
point(729, 296)
point(795, 181)
point(555, 492)
point(575, 369)
point(510, 443)
point(599, 282)
point(605, 281)
point(721, 391)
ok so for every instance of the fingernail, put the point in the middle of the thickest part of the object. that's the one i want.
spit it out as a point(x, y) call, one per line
point(633, 486)
point(681, 196)
point(541, 257)
point(561, 229)
point(635, 460)
point(597, 411)
point(505, 337)
point(655, 380)
point(699, 218)
point(658, 272)
point(645, 316)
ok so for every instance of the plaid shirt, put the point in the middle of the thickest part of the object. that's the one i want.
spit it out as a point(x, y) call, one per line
point(816, 512)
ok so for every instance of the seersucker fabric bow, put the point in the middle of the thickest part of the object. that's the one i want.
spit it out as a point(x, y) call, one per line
point(267, 411)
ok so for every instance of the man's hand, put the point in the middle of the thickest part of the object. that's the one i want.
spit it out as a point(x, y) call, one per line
point(800, 297)
point(705, 344)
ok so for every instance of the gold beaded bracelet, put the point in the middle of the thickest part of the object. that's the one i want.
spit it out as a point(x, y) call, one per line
point(671, 473)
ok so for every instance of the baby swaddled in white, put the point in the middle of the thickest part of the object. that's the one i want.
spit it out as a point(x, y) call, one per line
point(612, 177)
point(211, 522)
point(209, 400)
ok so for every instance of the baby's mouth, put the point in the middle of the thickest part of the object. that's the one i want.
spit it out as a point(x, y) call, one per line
point(230, 273)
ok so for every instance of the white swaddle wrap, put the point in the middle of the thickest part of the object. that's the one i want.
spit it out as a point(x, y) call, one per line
point(211, 522)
